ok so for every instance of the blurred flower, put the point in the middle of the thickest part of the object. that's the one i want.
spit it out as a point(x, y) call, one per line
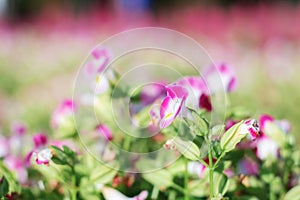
point(221, 71)
point(63, 113)
point(16, 163)
point(40, 140)
point(198, 95)
point(195, 167)
point(150, 93)
point(18, 128)
point(248, 166)
point(112, 194)
point(101, 58)
point(43, 156)
point(104, 131)
point(251, 127)
point(171, 104)
point(4, 146)
point(266, 147)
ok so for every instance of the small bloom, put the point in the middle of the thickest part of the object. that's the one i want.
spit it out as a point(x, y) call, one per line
point(195, 167)
point(40, 140)
point(220, 71)
point(43, 157)
point(171, 104)
point(62, 113)
point(112, 194)
point(104, 131)
point(251, 127)
point(266, 147)
point(18, 128)
point(248, 166)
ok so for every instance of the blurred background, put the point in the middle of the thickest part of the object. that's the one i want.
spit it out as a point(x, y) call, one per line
point(43, 44)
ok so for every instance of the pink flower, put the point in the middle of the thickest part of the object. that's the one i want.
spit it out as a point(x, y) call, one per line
point(43, 156)
point(248, 166)
point(220, 71)
point(150, 93)
point(62, 113)
point(18, 128)
point(263, 120)
point(198, 94)
point(104, 131)
point(15, 163)
point(101, 58)
point(112, 194)
point(95, 69)
point(266, 147)
point(195, 167)
point(251, 126)
point(171, 104)
point(4, 146)
point(40, 140)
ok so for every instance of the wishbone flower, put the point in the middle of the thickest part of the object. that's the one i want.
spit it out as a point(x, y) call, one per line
point(172, 104)
point(43, 157)
point(112, 194)
point(223, 71)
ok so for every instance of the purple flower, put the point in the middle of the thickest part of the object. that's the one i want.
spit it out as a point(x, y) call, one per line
point(223, 71)
point(171, 104)
point(104, 131)
point(248, 166)
point(151, 93)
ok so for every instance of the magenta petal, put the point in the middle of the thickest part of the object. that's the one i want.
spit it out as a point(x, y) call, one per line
point(204, 102)
point(164, 106)
point(39, 140)
point(176, 91)
point(105, 131)
point(263, 119)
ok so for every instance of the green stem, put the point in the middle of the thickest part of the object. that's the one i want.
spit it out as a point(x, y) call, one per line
point(179, 188)
point(127, 141)
point(211, 172)
point(186, 180)
point(219, 159)
point(74, 186)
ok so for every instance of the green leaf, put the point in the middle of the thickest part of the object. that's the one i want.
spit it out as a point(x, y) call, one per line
point(221, 183)
point(201, 123)
point(11, 178)
point(232, 137)
point(293, 193)
point(103, 174)
point(275, 133)
point(187, 148)
point(198, 188)
point(4, 187)
point(161, 179)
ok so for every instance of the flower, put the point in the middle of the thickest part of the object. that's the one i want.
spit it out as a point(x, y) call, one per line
point(248, 166)
point(63, 113)
point(150, 93)
point(266, 147)
point(251, 128)
point(171, 104)
point(112, 194)
point(198, 94)
point(104, 131)
point(220, 70)
point(43, 156)
point(16, 164)
point(195, 167)
point(95, 69)
point(40, 140)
